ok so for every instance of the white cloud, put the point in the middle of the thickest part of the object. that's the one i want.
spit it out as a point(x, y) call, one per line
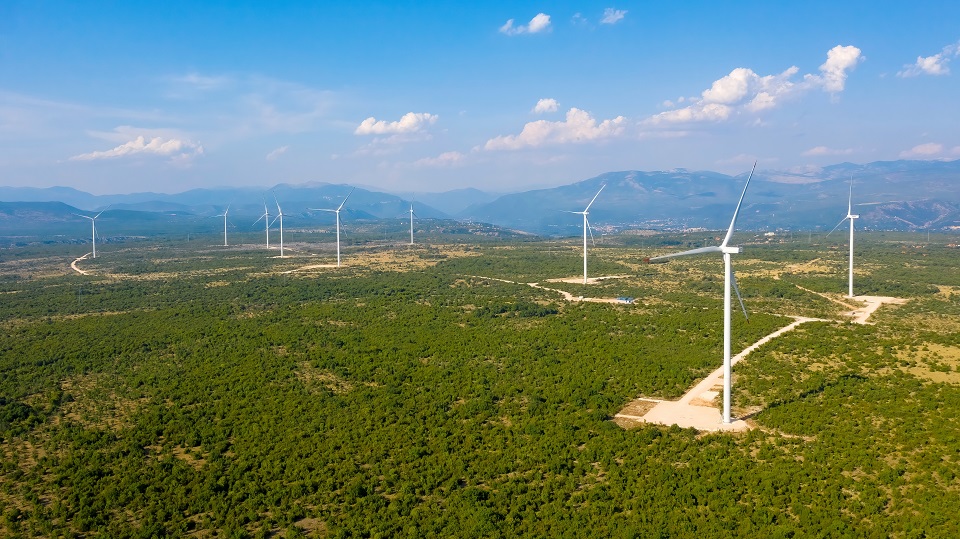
point(539, 23)
point(272, 156)
point(700, 112)
point(932, 65)
point(411, 122)
point(579, 126)
point(928, 149)
point(196, 81)
point(823, 150)
point(124, 133)
point(174, 148)
point(732, 88)
point(612, 16)
point(743, 90)
point(446, 159)
point(546, 105)
point(833, 75)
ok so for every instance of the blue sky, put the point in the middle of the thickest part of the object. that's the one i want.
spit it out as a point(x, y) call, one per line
point(116, 97)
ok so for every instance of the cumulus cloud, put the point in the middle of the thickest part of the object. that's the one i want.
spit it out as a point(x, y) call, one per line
point(411, 122)
point(936, 64)
point(540, 23)
point(833, 72)
point(446, 159)
point(578, 126)
point(546, 105)
point(929, 149)
point(612, 16)
point(823, 150)
point(174, 148)
point(743, 90)
point(272, 156)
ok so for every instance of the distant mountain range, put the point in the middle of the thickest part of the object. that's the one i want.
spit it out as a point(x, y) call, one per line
point(901, 195)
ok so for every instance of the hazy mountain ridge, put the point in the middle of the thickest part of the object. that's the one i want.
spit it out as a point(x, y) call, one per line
point(903, 195)
point(891, 195)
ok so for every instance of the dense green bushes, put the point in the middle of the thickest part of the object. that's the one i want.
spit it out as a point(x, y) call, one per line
point(430, 404)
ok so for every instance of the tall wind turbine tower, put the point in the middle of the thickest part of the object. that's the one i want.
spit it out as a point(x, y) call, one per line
point(266, 221)
point(93, 224)
point(411, 223)
point(280, 218)
point(729, 279)
point(850, 215)
point(224, 215)
point(337, 212)
point(586, 229)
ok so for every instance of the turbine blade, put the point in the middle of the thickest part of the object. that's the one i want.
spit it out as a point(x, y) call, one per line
point(279, 211)
point(836, 227)
point(590, 229)
point(345, 199)
point(274, 220)
point(258, 220)
point(712, 249)
point(736, 289)
point(733, 221)
point(850, 199)
point(594, 198)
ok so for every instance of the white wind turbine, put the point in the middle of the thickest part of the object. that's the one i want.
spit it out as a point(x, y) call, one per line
point(586, 229)
point(280, 218)
point(266, 221)
point(850, 215)
point(728, 279)
point(337, 212)
point(224, 215)
point(93, 224)
point(411, 222)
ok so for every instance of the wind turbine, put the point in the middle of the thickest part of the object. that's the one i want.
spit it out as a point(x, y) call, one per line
point(224, 215)
point(850, 215)
point(337, 212)
point(266, 221)
point(411, 222)
point(586, 228)
point(93, 224)
point(728, 279)
point(280, 218)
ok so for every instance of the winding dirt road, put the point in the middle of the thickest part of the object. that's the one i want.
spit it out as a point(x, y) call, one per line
point(697, 408)
point(74, 264)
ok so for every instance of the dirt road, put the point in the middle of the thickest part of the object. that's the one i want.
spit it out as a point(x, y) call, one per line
point(74, 264)
point(697, 408)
